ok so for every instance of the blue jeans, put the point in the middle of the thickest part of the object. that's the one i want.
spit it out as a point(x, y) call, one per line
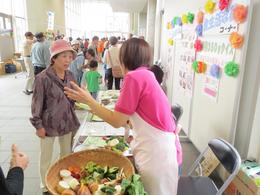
point(180, 170)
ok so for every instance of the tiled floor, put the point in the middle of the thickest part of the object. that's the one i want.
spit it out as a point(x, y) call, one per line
point(16, 128)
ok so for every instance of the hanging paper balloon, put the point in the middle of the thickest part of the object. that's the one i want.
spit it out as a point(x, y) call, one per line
point(199, 67)
point(200, 17)
point(199, 29)
point(202, 67)
point(240, 13)
point(190, 17)
point(184, 19)
point(195, 66)
point(179, 22)
point(232, 69)
point(175, 20)
point(223, 4)
point(236, 40)
point(209, 6)
point(198, 45)
point(169, 26)
point(170, 42)
point(215, 70)
point(172, 23)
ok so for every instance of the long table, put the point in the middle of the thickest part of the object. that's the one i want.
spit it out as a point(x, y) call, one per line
point(93, 128)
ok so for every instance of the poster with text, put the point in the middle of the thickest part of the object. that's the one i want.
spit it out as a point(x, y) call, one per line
point(185, 55)
point(211, 87)
point(216, 50)
point(50, 20)
point(220, 23)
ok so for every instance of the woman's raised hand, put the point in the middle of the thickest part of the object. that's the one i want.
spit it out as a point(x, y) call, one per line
point(78, 94)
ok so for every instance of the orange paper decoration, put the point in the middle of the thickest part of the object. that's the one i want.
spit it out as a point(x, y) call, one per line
point(236, 40)
point(240, 13)
point(200, 17)
point(202, 67)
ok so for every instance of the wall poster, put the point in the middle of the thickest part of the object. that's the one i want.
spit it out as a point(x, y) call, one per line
point(211, 87)
point(185, 55)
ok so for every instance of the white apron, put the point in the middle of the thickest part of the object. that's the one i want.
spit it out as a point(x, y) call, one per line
point(155, 157)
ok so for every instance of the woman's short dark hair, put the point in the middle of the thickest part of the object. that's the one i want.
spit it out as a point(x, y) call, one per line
point(28, 34)
point(89, 51)
point(135, 53)
point(158, 73)
point(95, 38)
point(54, 57)
point(113, 40)
point(93, 64)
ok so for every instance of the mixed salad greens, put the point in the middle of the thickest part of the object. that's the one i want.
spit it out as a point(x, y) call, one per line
point(117, 144)
point(114, 143)
point(94, 179)
point(111, 181)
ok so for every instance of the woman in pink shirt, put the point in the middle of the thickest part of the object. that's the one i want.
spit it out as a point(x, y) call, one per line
point(143, 102)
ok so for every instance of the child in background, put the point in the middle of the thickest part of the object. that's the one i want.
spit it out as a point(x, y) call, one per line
point(158, 73)
point(93, 79)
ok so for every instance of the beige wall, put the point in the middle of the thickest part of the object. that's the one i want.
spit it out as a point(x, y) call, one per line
point(254, 145)
point(37, 14)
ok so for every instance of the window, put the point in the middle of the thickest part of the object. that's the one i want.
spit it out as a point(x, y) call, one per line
point(90, 17)
point(13, 18)
point(19, 8)
point(6, 6)
point(2, 23)
point(20, 31)
point(8, 24)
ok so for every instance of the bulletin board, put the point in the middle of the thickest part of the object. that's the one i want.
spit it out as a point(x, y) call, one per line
point(210, 42)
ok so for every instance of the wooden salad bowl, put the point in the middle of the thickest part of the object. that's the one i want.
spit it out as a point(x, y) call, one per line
point(80, 159)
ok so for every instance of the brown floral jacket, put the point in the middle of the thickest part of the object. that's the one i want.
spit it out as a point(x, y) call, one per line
point(50, 107)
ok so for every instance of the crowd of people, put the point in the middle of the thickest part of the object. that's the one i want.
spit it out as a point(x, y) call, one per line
point(73, 66)
point(36, 54)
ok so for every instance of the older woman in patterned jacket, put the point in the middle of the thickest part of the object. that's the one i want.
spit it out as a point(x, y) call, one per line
point(53, 113)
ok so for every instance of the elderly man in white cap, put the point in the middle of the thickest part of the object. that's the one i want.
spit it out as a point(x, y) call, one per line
point(77, 65)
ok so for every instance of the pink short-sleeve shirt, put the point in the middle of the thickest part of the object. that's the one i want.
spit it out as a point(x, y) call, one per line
point(142, 94)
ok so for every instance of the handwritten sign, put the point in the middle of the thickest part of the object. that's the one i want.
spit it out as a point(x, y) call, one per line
point(216, 50)
point(185, 55)
point(175, 33)
point(220, 22)
point(211, 87)
point(169, 61)
point(50, 20)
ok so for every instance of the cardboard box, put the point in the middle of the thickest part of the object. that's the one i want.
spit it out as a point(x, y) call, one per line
point(17, 63)
point(243, 185)
point(2, 69)
point(249, 182)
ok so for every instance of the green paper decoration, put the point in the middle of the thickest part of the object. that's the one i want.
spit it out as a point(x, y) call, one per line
point(232, 69)
point(199, 67)
point(175, 20)
point(195, 66)
point(190, 17)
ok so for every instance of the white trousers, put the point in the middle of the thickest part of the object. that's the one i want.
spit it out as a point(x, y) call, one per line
point(30, 73)
point(46, 154)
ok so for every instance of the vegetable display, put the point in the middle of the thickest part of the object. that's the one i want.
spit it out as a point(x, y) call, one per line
point(114, 143)
point(94, 179)
point(117, 144)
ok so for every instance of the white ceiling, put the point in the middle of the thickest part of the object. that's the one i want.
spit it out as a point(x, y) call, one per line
point(128, 5)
